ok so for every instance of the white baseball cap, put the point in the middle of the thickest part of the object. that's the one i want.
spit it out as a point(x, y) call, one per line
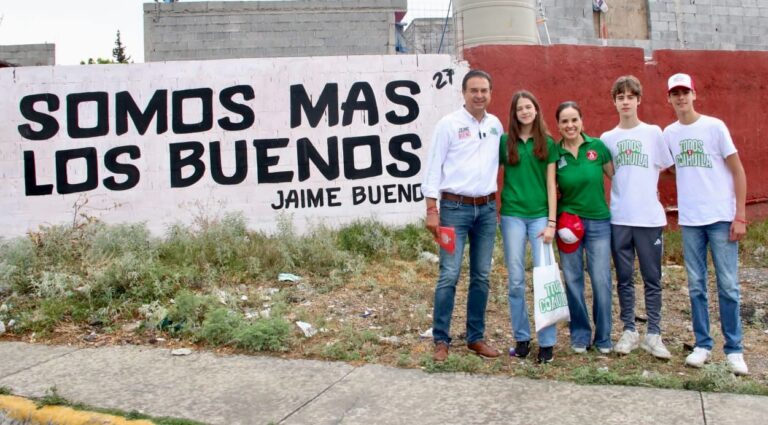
point(680, 80)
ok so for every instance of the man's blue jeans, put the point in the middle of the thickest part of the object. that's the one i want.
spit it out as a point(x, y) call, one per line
point(596, 243)
point(725, 256)
point(516, 231)
point(476, 224)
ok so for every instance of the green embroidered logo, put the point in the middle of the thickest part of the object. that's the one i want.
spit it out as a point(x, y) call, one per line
point(630, 153)
point(692, 154)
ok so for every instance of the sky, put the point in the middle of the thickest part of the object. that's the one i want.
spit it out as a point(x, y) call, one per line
point(83, 29)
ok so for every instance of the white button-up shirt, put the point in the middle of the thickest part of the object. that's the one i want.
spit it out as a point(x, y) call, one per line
point(464, 156)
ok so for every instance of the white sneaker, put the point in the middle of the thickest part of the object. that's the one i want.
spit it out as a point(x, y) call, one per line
point(628, 342)
point(698, 357)
point(578, 349)
point(653, 344)
point(736, 364)
point(604, 350)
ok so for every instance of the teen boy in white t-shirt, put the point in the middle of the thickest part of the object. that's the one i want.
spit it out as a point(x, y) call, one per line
point(637, 217)
point(711, 197)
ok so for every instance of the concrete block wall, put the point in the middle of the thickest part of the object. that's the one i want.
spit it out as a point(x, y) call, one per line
point(673, 24)
point(29, 54)
point(423, 35)
point(245, 29)
point(710, 24)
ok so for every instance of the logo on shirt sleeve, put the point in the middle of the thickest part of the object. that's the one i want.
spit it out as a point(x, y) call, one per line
point(464, 133)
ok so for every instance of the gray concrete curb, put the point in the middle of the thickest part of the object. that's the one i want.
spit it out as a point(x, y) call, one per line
point(250, 390)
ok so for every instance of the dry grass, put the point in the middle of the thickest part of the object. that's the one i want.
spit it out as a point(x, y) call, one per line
point(377, 315)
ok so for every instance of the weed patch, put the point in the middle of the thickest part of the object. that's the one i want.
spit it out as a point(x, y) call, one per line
point(352, 346)
point(454, 363)
point(52, 398)
point(715, 377)
point(219, 326)
point(263, 334)
point(368, 238)
point(17, 264)
point(214, 282)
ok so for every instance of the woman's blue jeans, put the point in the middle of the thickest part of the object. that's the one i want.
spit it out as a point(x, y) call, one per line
point(596, 244)
point(516, 231)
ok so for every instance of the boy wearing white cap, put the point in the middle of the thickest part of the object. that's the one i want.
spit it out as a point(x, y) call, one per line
point(711, 197)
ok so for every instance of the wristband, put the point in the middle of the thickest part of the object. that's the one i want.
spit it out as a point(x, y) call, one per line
point(740, 220)
point(552, 221)
point(432, 210)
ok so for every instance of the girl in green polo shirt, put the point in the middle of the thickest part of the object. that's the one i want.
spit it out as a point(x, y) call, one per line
point(583, 162)
point(528, 202)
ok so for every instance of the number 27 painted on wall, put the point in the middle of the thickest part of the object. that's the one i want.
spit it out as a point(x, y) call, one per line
point(441, 76)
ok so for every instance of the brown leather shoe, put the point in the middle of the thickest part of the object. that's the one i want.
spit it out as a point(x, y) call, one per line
point(441, 352)
point(483, 350)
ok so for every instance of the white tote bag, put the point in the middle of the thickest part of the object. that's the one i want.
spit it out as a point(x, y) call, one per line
point(550, 303)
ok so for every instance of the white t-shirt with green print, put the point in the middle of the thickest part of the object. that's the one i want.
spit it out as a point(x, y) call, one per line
point(638, 155)
point(705, 192)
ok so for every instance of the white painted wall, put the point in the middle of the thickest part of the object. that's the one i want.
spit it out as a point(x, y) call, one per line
point(152, 199)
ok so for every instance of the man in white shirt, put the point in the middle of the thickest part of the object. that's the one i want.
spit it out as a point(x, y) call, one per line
point(461, 173)
point(637, 217)
point(711, 198)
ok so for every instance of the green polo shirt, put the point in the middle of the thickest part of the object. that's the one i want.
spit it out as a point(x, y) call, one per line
point(580, 180)
point(525, 183)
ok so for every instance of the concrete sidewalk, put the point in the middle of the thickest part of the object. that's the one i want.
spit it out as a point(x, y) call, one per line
point(247, 390)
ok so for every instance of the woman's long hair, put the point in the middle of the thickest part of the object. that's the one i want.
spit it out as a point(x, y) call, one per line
point(539, 130)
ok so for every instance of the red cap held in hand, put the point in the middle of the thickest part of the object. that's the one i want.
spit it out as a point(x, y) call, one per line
point(570, 230)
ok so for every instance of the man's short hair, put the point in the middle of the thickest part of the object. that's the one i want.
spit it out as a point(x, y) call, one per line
point(476, 73)
point(627, 83)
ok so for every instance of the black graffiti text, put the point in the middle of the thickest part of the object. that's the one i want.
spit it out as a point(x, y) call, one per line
point(360, 98)
point(387, 194)
point(125, 175)
point(188, 163)
point(38, 108)
point(307, 198)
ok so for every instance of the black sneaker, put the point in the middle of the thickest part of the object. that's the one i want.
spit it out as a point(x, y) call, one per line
point(522, 348)
point(546, 355)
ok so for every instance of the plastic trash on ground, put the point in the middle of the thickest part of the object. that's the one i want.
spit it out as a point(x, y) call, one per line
point(306, 328)
point(288, 277)
point(429, 257)
point(391, 340)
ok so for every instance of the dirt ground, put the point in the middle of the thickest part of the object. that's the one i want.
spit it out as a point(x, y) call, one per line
point(380, 315)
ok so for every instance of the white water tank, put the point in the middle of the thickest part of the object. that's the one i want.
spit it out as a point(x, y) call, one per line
point(482, 22)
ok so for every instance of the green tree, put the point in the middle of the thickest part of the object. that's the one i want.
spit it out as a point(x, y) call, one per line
point(97, 61)
point(119, 51)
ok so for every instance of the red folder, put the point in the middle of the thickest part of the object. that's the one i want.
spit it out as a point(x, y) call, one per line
point(446, 238)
